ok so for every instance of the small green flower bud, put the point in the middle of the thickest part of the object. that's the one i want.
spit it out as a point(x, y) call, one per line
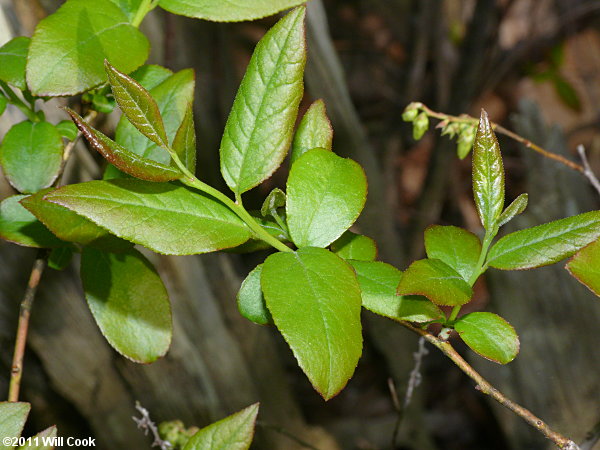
point(465, 141)
point(420, 126)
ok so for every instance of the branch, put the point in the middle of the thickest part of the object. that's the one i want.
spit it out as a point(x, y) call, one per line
point(145, 424)
point(500, 129)
point(485, 387)
point(16, 372)
point(587, 170)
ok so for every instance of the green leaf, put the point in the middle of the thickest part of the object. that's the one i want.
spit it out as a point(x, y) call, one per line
point(488, 174)
point(60, 258)
point(31, 155)
point(314, 298)
point(253, 244)
point(420, 126)
point(514, 209)
point(70, 226)
point(21, 227)
point(458, 248)
point(234, 432)
point(355, 246)
point(129, 303)
point(489, 335)
point(184, 143)
point(250, 300)
point(545, 244)
point(275, 199)
point(166, 218)
point(173, 97)
point(68, 47)
point(567, 93)
point(137, 105)
point(314, 131)
point(12, 420)
point(67, 129)
point(37, 441)
point(585, 266)
point(259, 129)
point(3, 103)
point(123, 159)
point(228, 10)
point(325, 195)
point(465, 142)
point(129, 7)
point(151, 75)
point(13, 57)
point(378, 282)
point(437, 281)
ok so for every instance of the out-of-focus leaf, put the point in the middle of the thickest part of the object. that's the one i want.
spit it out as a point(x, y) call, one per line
point(545, 244)
point(37, 441)
point(68, 47)
point(166, 218)
point(585, 266)
point(378, 283)
point(314, 298)
point(458, 248)
point(325, 195)
point(488, 174)
point(12, 420)
point(67, 129)
point(3, 103)
point(228, 10)
point(21, 227)
point(437, 281)
point(13, 57)
point(314, 131)
point(489, 335)
point(31, 155)
point(259, 129)
point(60, 258)
point(234, 432)
point(129, 303)
point(566, 92)
point(251, 301)
point(355, 246)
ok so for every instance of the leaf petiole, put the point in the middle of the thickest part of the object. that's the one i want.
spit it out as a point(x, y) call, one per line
point(145, 7)
point(13, 99)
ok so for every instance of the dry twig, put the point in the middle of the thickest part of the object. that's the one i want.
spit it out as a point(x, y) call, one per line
point(145, 424)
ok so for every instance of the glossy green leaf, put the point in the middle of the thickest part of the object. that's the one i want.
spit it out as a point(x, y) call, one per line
point(12, 420)
point(275, 199)
point(151, 75)
point(59, 258)
point(488, 174)
point(129, 303)
point(184, 143)
point(166, 218)
point(325, 195)
point(67, 129)
point(378, 283)
point(228, 10)
point(70, 226)
point(314, 131)
point(545, 244)
point(458, 248)
point(437, 281)
point(137, 105)
point(173, 97)
point(68, 47)
point(125, 160)
point(314, 298)
point(585, 266)
point(355, 246)
point(21, 227)
point(250, 299)
point(37, 441)
point(3, 103)
point(13, 57)
point(514, 209)
point(31, 155)
point(234, 432)
point(259, 129)
point(489, 335)
point(129, 7)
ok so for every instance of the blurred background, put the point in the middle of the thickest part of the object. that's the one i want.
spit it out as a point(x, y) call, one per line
point(534, 65)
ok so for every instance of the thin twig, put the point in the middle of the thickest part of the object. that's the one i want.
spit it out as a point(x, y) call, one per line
point(16, 372)
point(414, 381)
point(68, 151)
point(500, 129)
point(145, 424)
point(485, 387)
point(286, 433)
point(587, 169)
point(591, 438)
